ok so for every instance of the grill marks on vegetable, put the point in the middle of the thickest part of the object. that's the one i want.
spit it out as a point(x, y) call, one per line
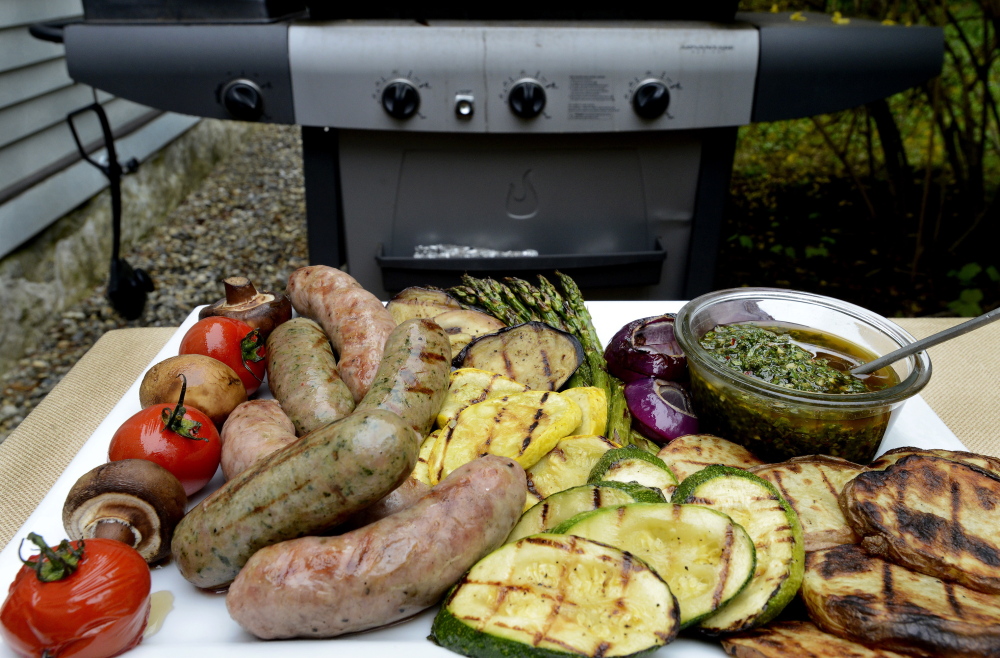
point(928, 513)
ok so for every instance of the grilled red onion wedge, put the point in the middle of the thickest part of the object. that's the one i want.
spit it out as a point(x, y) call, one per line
point(646, 348)
point(661, 410)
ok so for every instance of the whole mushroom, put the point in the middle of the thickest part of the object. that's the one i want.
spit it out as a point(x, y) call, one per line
point(261, 310)
point(135, 501)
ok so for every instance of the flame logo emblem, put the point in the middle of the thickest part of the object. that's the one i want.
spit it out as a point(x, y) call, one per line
point(522, 200)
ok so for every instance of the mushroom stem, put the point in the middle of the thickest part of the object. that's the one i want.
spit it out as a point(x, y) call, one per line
point(239, 290)
point(114, 529)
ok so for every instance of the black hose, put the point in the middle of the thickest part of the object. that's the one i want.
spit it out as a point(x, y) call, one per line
point(52, 30)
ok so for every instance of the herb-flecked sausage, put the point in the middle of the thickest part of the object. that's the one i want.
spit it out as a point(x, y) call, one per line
point(302, 375)
point(383, 572)
point(312, 484)
point(356, 322)
point(412, 378)
point(254, 430)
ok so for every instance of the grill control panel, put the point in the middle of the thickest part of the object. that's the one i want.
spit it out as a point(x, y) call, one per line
point(522, 78)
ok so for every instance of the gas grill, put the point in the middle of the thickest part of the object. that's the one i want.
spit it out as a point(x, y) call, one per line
point(603, 142)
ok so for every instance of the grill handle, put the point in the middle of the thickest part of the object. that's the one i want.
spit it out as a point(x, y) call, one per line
point(52, 30)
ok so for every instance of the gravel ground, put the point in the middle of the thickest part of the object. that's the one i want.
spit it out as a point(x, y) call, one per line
point(247, 218)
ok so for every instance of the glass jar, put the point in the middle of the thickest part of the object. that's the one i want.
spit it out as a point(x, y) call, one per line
point(778, 423)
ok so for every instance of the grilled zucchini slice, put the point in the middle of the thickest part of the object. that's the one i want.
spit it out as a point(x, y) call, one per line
point(985, 462)
point(567, 465)
point(688, 454)
point(855, 595)
point(632, 464)
point(566, 504)
point(775, 530)
point(534, 354)
point(704, 557)
point(556, 596)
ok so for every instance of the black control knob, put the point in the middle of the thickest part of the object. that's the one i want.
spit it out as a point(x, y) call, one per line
point(651, 99)
point(526, 99)
point(400, 99)
point(243, 100)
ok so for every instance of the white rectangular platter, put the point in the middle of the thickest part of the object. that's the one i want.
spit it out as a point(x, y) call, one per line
point(199, 626)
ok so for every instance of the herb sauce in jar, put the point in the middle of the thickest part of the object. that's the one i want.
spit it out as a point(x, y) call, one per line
point(795, 357)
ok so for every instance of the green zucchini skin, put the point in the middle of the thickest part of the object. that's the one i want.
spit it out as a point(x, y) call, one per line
point(616, 525)
point(640, 611)
point(454, 635)
point(693, 490)
point(313, 484)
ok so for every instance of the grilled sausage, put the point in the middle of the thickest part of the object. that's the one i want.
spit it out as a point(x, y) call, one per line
point(412, 378)
point(302, 375)
point(386, 571)
point(404, 496)
point(254, 430)
point(315, 483)
point(354, 319)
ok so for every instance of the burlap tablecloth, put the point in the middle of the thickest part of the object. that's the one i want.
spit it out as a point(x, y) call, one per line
point(964, 391)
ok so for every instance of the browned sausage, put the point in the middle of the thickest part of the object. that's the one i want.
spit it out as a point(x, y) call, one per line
point(302, 375)
point(356, 322)
point(412, 378)
point(404, 496)
point(254, 430)
point(383, 572)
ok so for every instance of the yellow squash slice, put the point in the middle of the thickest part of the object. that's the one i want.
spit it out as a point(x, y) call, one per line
point(522, 426)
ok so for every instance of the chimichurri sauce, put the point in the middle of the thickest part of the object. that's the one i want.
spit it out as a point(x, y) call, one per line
point(779, 359)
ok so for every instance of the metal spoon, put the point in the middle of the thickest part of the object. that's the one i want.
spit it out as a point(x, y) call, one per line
point(924, 343)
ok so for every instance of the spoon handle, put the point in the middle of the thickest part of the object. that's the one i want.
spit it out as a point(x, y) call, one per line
point(924, 343)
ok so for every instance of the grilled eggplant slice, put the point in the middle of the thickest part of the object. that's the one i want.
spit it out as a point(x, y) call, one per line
point(522, 426)
point(704, 556)
point(534, 354)
point(984, 462)
point(691, 453)
point(557, 595)
point(936, 516)
point(632, 464)
point(420, 303)
point(463, 325)
point(566, 504)
point(801, 639)
point(771, 522)
point(567, 465)
point(812, 486)
point(867, 599)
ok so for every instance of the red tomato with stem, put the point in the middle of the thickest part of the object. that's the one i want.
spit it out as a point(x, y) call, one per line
point(181, 439)
point(77, 600)
point(234, 343)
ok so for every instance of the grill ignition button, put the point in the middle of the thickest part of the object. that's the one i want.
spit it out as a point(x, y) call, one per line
point(464, 106)
point(400, 99)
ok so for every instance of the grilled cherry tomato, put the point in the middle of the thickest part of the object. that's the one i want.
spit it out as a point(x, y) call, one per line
point(181, 439)
point(231, 341)
point(77, 600)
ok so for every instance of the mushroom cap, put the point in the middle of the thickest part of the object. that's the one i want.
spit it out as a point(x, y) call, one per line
point(139, 494)
point(260, 310)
